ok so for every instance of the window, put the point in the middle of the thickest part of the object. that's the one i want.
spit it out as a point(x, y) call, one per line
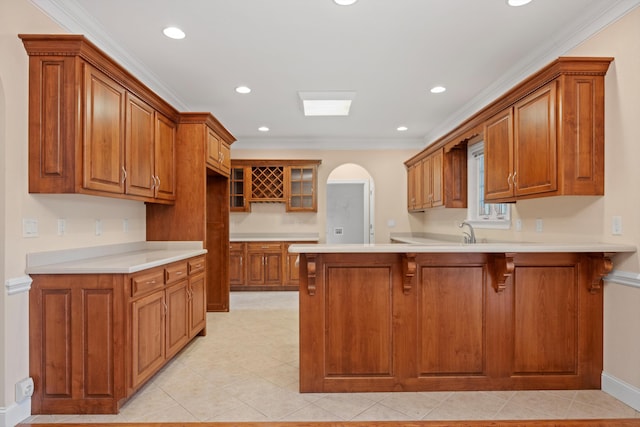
point(479, 213)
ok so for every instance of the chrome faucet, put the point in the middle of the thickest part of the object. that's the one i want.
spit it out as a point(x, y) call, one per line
point(469, 237)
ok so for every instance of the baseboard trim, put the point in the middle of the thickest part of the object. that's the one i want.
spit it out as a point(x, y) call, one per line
point(15, 414)
point(621, 390)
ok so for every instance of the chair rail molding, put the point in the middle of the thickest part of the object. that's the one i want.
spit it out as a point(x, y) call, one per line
point(625, 278)
point(18, 285)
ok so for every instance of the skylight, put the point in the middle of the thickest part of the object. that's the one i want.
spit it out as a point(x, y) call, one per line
point(326, 103)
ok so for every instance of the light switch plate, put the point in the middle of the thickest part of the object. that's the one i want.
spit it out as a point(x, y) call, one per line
point(539, 225)
point(29, 227)
point(616, 225)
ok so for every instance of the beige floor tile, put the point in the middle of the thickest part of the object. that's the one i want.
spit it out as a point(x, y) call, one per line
point(247, 369)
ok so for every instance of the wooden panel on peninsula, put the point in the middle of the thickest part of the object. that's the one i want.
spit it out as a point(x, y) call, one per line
point(373, 322)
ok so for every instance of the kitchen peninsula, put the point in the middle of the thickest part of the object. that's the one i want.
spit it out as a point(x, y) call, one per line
point(451, 316)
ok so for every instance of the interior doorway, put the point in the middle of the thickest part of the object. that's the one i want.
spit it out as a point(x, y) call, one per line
point(350, 206)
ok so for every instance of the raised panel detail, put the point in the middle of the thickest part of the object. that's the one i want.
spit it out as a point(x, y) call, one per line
point(545, 320)
point(56, 311)
point(451, 321)
point(365, 348)
point(98, 339)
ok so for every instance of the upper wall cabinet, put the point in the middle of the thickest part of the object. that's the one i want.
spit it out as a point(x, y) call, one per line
point(293, 182)
point(545, 137)
point(93, 127)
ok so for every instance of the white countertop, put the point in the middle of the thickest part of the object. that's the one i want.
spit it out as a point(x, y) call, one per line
point(111, 259)
point(452, 247)
point(274, 237)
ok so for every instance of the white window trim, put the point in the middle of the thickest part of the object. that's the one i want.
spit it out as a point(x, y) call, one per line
point(472, 194)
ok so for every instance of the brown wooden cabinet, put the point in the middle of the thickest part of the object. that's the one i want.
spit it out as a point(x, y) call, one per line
point(129, 325)
point(521, 148)
point(544, 137)
point(293, 182)
point(218, 153)
point(264, 263)
point(93, 127)
point(240, 189)
point(264, 266)
point(237, 255)
point(201, 212)
point(442, 321)
point(300, 188)
point(425, 182)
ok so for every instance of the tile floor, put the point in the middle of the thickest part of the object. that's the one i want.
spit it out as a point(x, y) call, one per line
point(246, 369)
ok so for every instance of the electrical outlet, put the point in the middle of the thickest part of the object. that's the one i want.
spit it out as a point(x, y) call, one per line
point(125, 225)
point(62, 226)
point(518, 225)
point(98, 227)
point(29, 227)
point(616, 225)
point(538, 225)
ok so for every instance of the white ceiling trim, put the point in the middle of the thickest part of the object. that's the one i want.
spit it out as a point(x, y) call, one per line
point(533, 62)
point(73, 18)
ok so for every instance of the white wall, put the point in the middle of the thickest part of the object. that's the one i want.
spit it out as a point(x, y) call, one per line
point(387, 172)
point(80, 212)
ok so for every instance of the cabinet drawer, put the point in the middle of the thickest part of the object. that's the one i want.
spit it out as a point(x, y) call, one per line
point(147, 281)
point(264, 246)
point(196, 265)
point(236, 246)
point(175, 272)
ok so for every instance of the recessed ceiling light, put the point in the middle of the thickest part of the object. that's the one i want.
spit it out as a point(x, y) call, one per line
point(174, 33)
point(243, 89)
point(438, 89)
point(402, 128)
point(517, 3)
point(326, 103)
point(263, 129)
point(344, 2)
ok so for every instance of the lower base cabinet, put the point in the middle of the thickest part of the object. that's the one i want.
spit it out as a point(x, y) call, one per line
point(440, 322)
point(263, 266)
point(95, 339)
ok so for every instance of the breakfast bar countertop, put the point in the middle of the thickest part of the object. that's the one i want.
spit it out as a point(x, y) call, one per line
point(122, 258)
point(422, 245)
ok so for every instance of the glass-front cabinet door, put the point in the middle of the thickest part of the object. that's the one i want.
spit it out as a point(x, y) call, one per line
point(301, 188)
point(239, 183)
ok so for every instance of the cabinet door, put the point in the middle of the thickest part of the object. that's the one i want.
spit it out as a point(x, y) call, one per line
point(411, 186)
point(213, 150)
point(273, 268)
point(535, 169)
point(300, 188)
point(498, 156)
point(425, 195)
point(197, 304)
point(147, 336)
point(103, 140)
point(225, 158)
point(292, 270)
point(165, 158)
point(236, 264)
point(239, 184)
point(139, 151)
point(255, 267)
point(177, 301)
point(437, 181)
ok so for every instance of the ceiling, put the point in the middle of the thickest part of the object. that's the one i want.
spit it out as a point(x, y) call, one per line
point(389, 52)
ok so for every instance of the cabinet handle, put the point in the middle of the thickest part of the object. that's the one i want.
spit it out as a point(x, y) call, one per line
point(178, 273)
point(166, 309)
point(153, 182)
point(151, 282)
point(158, 185)
point(509, 180)
point(515, 181)
point(124, 174)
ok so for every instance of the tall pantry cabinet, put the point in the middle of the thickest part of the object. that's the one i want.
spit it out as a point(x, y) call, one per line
point(201, 209)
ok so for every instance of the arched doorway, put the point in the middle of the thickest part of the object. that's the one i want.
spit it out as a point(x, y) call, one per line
point(350, 205)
